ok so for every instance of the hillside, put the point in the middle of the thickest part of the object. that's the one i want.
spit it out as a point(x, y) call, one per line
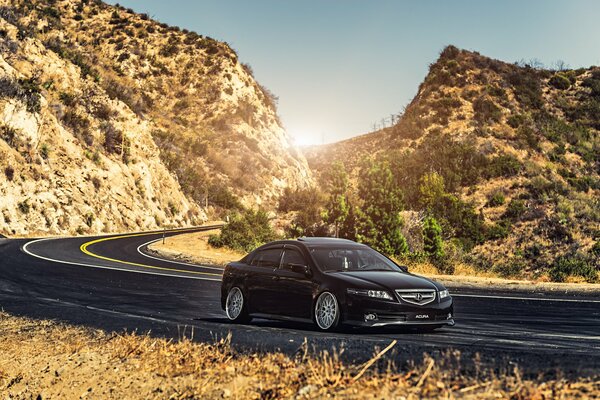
point(113, 121)
point(513, 150)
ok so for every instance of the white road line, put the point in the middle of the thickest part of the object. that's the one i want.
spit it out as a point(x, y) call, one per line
point(172, 262)
point(26, 250)
point(489, 296)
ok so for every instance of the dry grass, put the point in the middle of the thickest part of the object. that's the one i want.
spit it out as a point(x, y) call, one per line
point(194, 247)
point(52, 360)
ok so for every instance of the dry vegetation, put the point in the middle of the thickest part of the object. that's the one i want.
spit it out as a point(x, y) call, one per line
point(45, 359)
point(194, 248)
point(216, 127)
point(517, 148)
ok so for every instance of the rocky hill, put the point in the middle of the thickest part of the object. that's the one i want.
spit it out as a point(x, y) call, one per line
point(517, 145)
point(112, 121)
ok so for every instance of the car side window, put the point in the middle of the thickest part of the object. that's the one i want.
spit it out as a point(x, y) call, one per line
point(291, 256)
point(267, 258)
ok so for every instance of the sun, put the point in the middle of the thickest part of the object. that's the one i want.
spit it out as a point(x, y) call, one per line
point(303, 139)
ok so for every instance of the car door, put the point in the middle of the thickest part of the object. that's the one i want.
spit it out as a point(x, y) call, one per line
point(260, 280)
point(295, 288)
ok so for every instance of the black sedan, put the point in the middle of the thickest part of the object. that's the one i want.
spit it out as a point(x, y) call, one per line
point(331, 282)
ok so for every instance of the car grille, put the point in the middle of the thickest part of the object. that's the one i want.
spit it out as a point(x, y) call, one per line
point(418, 297)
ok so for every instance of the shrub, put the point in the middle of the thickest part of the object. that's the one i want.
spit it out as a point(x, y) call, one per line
point(486, 111)
point(113, 138)
point(9, 171)
point(573, 265)
point(504, 165)
point(45, 151)
point(496, 199)
point(527, 87)
point(68, 99)
point(245, 231)
point(26, 91)
point(516, 208)
point(512, 268)
point(516, 120)
point(432, 239)
point(596, 248)
point(89, 219)
point(560, 81)
point(500, 230)
point(24, 207)
point(9, 135)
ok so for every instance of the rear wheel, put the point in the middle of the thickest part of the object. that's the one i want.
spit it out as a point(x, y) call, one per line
point(236, 307)
point(327, 312)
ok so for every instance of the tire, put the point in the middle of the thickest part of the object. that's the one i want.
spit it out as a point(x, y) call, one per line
point(236, 306)
point(326, 312)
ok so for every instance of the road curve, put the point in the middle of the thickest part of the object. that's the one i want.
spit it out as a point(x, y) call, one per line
point(110, 282)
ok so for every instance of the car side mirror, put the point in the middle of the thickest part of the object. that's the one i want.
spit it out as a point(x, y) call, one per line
point(301, 269)
point(404, 268)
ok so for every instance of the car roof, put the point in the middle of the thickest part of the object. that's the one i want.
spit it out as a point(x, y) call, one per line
point(325, 240)
point(314, 241)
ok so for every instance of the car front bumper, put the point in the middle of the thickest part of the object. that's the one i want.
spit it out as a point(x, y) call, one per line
point(377, 313)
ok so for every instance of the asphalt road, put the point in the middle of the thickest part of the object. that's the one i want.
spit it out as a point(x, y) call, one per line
point(111, 283)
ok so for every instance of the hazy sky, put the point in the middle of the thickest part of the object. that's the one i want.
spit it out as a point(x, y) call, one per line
point(340, 66)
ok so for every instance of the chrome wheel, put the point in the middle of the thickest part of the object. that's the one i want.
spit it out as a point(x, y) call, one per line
point(326, 311)
point(234, 304)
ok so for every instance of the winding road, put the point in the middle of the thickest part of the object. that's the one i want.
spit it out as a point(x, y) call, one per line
point(112, 283)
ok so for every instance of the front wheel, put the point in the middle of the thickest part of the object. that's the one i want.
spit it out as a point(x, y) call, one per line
point(236, 307)
point(327, 312)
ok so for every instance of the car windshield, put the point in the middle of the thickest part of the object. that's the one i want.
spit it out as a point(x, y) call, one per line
point(352, 259)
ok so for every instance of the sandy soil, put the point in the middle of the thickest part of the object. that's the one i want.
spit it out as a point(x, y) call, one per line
point(45, 359)
point(194, 247)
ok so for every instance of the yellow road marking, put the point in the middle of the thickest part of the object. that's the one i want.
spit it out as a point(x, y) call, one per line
point(84, 249)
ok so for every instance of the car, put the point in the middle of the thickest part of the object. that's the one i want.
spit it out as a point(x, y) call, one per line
point(332, 283)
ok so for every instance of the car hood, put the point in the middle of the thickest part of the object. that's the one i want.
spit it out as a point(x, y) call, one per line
point(387, 279)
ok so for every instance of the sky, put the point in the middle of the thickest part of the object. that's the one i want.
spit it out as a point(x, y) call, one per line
point(339, 67)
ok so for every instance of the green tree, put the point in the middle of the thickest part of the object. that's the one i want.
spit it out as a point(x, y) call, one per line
point(348, 228)
point(432, 239)
point(431, 189)
point(337, 206)
point(380, 220)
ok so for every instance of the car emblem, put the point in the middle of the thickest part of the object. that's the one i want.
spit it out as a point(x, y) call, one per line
point(419, 297)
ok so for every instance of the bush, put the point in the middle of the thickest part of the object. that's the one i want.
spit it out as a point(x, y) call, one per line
point(26, 91)
point(504, 165)
point(496, 199)
point(513, 268)
point(45, 151)
point(486, 111)
point(9, 171)
point(527, 88)
point(432, 239)
point(245, 231)
point(500, 230)
point(560, 81)
point(24, 207)
point(9, 135)
point(573, 265)
point(516, 208)
point(113, 138)
point(516, 120)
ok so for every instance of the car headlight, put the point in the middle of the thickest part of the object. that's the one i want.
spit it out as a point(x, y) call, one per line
point(377, 294)
point(444, 294)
